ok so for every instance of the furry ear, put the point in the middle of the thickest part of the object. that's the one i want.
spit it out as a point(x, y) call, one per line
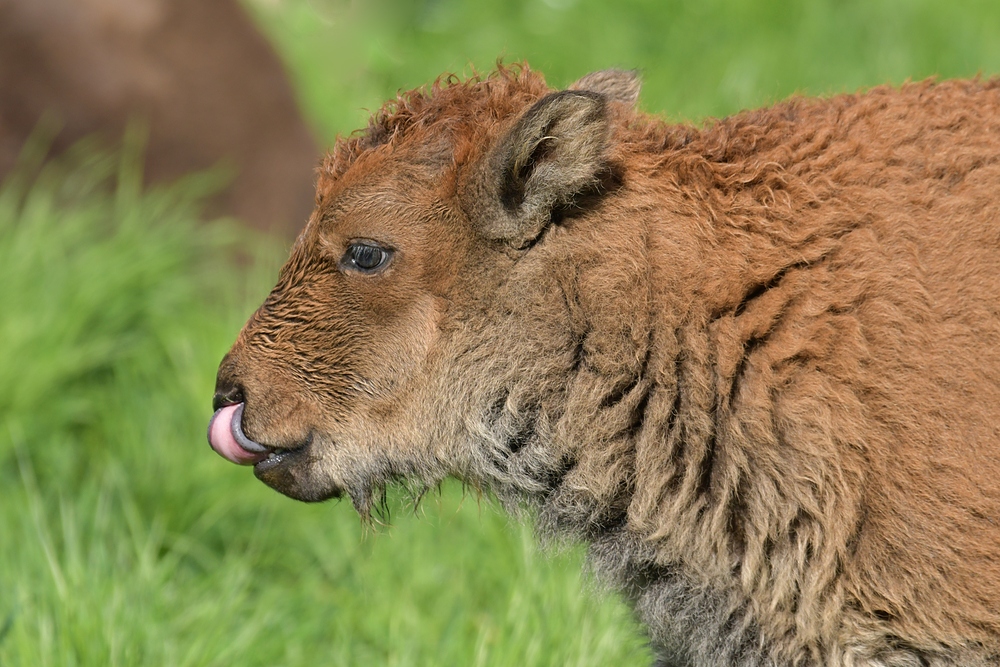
point(615, 84)
point(552, 153)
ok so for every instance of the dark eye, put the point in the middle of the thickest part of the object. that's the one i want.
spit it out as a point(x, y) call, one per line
point(366, 257)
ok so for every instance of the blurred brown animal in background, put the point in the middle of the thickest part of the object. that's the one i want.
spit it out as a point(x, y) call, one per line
point(207, 84)
point(755, 365)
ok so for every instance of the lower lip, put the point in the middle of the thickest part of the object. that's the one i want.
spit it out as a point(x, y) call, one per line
point(278, 457)
point(274, 460)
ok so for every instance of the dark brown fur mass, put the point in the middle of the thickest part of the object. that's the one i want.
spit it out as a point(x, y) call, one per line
point(196, 75)
point(755, 365)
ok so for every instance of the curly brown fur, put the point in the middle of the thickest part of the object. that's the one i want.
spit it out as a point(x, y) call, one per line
point(755, 365)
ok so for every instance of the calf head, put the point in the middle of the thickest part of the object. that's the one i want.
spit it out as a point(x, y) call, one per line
point(421, 327)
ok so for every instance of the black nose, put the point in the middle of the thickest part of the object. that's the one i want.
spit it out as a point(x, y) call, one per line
point(227, 395)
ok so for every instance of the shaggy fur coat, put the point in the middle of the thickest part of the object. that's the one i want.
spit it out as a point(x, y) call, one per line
point(755, 365)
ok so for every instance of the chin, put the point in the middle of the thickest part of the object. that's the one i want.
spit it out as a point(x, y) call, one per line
point(292, 474)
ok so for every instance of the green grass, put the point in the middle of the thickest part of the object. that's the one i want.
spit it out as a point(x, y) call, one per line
point(697, 58)
point(125, 541)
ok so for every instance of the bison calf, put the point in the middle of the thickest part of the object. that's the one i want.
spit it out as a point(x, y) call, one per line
point(754, 365)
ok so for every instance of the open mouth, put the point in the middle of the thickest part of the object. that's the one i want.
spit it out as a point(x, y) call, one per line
point(226, 436)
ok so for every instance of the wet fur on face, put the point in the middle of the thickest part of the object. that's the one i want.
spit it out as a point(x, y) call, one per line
point(753, 365)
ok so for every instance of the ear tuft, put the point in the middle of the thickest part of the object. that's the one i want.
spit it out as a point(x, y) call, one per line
point(615, 84)
point(552, 153)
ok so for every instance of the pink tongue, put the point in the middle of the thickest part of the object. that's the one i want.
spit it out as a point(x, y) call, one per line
point(220, 436)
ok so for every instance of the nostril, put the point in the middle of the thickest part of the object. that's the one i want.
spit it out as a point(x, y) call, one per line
point(227, 396)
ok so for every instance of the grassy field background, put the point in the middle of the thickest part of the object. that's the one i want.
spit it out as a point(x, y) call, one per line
point(125, 541)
